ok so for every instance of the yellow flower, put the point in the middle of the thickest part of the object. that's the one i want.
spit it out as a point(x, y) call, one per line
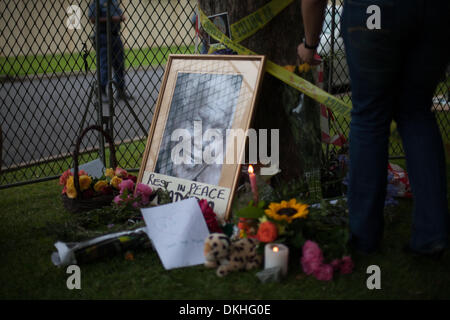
point(71, 192)
point(100, 185)
point(69, 182)
point(85, 182)
point(115, 181)
point(70, 188)
point(287, 210)
point(109, 172)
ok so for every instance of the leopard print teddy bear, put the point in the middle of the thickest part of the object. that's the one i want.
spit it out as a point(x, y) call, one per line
point(229, 256)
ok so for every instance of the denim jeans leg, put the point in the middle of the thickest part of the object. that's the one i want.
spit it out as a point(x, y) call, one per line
point(422, 141)
point(118, 62)
point(103, 61)
point(372, 68)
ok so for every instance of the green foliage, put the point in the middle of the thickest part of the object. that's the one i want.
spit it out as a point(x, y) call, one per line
point(251, 211)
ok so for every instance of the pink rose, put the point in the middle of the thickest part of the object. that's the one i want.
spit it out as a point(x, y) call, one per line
point(346, 265)
point(324, 273)
point(311, 251)
point(117, 199)
point(336, 264)
point(121, 173)
point(63, 179)
point(143, 189)
point(126, 184)
point(310, 266)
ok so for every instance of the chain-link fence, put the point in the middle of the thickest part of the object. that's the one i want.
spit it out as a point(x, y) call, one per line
point(49, 79)
point(49, 76)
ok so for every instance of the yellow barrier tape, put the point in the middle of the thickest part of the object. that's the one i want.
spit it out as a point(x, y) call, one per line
point(250, 24)
point(338, 106)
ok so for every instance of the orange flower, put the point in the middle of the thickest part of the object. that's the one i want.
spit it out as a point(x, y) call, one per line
point(129, 256)
point(267, 232)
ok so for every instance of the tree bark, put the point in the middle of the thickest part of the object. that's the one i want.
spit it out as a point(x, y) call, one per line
point(300, 146)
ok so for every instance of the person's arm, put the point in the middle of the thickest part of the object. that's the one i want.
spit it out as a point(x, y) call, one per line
point(117, 16)
point(313, 13)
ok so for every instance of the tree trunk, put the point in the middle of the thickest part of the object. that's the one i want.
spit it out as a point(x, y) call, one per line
point(300, 146)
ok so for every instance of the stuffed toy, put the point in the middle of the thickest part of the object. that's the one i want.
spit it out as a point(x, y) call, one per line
point(229, 256)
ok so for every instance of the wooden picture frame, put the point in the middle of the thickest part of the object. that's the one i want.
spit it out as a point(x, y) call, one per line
point(218, 92)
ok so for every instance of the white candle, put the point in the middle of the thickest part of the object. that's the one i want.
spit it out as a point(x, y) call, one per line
point(276, 255)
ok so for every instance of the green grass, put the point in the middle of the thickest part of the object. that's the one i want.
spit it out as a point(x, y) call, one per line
point(48, 64)
point(31, 214)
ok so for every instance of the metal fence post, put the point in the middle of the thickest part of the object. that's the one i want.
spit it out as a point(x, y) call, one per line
point(110, 123)
point(99, 106)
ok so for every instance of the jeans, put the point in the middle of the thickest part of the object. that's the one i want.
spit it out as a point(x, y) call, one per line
point(394, 72)
point(117, 61)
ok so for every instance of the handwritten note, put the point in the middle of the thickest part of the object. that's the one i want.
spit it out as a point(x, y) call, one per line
point(177, 231)
point(180, 189)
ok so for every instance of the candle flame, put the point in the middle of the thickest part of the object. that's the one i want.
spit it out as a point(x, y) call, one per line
point(275, 249)
point(250, 169)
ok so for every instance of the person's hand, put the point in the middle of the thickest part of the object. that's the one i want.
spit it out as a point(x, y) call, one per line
point(307, 55)
point(118, 19)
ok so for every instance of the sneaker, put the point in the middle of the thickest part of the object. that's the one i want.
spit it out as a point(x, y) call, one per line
point(122, 95)
point(103, 96)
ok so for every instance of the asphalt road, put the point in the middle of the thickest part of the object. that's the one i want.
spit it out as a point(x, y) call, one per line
point(41, 117)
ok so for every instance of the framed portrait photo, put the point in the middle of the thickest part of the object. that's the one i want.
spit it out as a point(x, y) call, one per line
point(196, 142)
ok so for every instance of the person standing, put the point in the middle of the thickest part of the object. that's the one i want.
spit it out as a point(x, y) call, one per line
point(396, 52)
point(118, 56)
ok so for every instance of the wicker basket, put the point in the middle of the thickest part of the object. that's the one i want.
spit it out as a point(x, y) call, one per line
point(78, 204)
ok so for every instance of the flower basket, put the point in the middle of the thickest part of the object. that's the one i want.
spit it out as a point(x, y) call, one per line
point(79, 204)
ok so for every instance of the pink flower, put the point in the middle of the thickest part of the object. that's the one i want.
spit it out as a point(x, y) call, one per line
point(310, 266)
point(122, 173)
point(126, 184)
point(143, 189)
point(324, 273)
point(311, 251)
point(347, 265)
point(117, 199)
point(63, 179)
point(336, 264)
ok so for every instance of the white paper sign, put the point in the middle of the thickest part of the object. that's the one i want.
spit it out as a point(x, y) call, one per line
point(178, 231)
point(93, 168)
point(180, 189)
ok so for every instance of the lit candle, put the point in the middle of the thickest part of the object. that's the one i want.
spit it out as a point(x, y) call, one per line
point(252, 178)
point(276, 255)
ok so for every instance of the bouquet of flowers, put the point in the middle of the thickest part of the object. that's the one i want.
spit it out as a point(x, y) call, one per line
point(318, 233)
point(93, 192)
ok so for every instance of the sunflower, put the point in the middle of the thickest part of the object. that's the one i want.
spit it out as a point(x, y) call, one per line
point(287, 210)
